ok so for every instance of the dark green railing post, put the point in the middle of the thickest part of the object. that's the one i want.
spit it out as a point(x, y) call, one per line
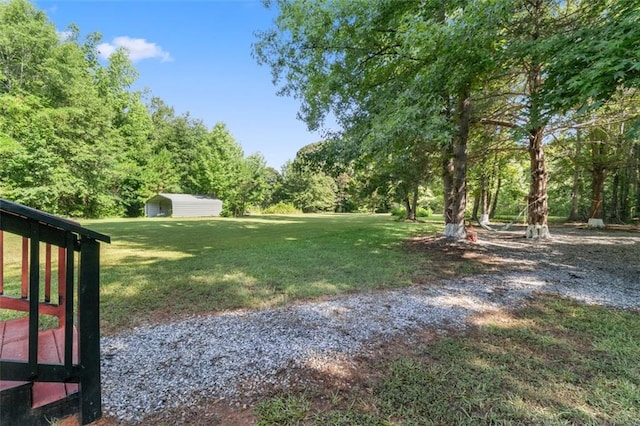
point(69, 274)
point(89, 333)
point(34, 295)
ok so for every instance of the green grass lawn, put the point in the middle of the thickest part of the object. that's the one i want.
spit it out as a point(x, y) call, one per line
point(552, 363)
point(555, 362)
point(156, 269)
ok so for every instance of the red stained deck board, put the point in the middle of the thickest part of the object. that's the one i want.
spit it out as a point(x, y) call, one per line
point(14, 345)
point(11, 348)
point(58, 334)
point(17, 329)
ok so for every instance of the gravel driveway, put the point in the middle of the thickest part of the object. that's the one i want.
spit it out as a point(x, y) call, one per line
point(153, 368)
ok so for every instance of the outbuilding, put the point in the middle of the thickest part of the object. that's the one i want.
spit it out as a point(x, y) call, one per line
point(182, 205)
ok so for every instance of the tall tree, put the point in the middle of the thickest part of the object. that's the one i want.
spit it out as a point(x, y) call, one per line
point(26, 40)
point(392, 65)
point(252, 185)
point(307, 189)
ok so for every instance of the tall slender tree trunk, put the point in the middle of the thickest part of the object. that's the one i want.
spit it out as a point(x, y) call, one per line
point(476, 206)
point(448, 168)
point(411, 204)
point(596, 218)
point(613, 215)
point(625, 188)
point(494, 201)
point(455, 170)
point(410, 214)
point(627, 184)
point(635, 210)
point(597, 198)
point(538, 210)
point(537, 200)
point(484, 199)
point(573, 214)
point(414, 202)
point(537, 206)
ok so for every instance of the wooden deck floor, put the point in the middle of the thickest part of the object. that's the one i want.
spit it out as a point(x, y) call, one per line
point(14, 345)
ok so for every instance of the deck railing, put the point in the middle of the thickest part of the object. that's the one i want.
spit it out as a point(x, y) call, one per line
point(78, 264)
point(47, 306)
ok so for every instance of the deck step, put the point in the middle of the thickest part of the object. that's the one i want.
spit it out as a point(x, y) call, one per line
point(15, 400)
point(39, 396)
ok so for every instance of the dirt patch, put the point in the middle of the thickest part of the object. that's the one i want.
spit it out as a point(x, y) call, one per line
point(614, 251)
point(204, 412)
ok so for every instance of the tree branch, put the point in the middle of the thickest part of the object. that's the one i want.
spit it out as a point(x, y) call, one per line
point(493, 122)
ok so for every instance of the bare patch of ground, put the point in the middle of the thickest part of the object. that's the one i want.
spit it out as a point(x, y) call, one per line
point(614, 251)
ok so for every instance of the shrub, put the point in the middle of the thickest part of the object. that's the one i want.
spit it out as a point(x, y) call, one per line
point(424, 212)
point(281, 208)
point(401, 212)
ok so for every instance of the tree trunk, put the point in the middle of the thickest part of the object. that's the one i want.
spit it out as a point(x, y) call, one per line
point(596, 218)
point(411, 213)
point(614, 206)
point(636, 179)
point(484, 199)
point(455, 170)
point(597, 198)
point(494, 202)
point(448, 168)
point(573, 214)
point(537, 206)
point(625, 188)
point(628, 183)
point(476, 207)
point(537, 210)
point(414, 203)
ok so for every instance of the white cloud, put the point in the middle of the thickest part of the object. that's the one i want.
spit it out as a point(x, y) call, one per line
point(64, 35)
point(137, 49)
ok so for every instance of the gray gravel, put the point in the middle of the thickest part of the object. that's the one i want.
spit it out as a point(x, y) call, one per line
point(156, 367)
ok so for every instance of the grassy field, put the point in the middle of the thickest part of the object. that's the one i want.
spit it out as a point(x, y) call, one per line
point(156, 269)
point(552, 363)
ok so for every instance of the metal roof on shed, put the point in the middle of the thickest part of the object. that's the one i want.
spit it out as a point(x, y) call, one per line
point(183, 197)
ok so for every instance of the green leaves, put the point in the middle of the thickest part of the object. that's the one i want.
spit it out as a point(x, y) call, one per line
point(596, 58)
point(75, 140)
point(26, 38)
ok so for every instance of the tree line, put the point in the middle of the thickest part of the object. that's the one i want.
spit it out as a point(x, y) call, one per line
point(77, 140)
point(465, 91)
point(467, 108)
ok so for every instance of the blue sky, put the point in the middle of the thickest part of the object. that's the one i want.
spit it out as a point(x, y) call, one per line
point(196, 56)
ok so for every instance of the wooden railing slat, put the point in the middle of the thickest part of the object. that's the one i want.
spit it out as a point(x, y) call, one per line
point(47, 273)
point(25, 268)
point(62, 269)
point(23, 305)
point(1, 262)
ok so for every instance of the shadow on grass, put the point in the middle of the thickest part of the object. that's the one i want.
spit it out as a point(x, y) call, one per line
point(579, 251)
point(554, 362)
